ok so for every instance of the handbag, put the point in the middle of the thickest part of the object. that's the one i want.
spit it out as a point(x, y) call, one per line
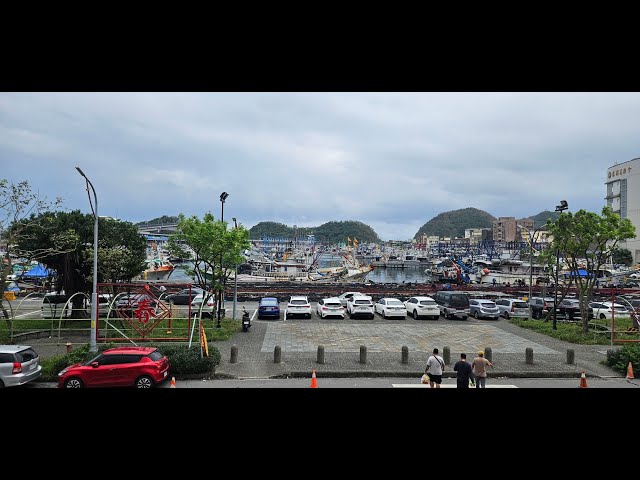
point(424, 378)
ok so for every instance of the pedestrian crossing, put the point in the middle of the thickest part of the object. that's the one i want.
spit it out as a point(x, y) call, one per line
point(443, 385)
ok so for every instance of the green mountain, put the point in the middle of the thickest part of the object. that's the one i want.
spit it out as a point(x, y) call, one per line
point(541, 218)
point(454, 222)
point(163, 220)
point(331, 232)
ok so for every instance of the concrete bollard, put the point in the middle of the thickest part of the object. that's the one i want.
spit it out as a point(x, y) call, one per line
point(320, 357)
point(571, 356)
point(488, 354)
point(234, 354)
point(69, 347)
point(277, 354)
point(405, 354)
point(446, 355)
point(363, 354)
point(529, 355)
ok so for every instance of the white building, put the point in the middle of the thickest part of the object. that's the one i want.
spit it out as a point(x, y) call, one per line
point(623, 196)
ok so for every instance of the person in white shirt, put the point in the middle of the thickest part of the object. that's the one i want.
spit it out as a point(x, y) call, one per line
point(435, 366)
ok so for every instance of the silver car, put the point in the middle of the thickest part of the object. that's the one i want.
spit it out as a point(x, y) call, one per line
point(480, 308)
point(513, 307)
point(19, 364)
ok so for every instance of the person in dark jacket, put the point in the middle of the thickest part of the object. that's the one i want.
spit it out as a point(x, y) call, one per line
point(463, 369)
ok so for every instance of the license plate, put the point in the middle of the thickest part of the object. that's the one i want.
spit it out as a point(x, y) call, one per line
point(165, 374)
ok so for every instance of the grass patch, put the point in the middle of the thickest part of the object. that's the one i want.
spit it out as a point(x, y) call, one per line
point(569, 332)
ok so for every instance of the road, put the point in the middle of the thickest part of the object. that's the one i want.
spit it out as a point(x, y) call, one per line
point(389, 383)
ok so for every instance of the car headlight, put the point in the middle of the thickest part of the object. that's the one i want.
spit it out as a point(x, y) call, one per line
point(62, 372)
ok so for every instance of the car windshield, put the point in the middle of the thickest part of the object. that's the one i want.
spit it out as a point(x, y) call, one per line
point(268, 301)
point(26, 355)
point(487, 304)
point(94, 359)
point(155, 356)
point(520, 305)
point(333, 304)
point(459, 301)
point(396, 302)
point(362, 302)
point(298, 302)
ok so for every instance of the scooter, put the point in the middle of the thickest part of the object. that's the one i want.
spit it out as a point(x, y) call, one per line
point(246, 320)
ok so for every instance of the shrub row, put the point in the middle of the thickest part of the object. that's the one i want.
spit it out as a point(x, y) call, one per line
point(182, 360)
point(619, 359)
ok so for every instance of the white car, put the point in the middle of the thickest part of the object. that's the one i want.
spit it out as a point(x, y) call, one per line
point(360, 305)
point(422, 307)
point(299, 305)
point(602, 310)
point(344, 298)
point(330, 306)
point(390, 307)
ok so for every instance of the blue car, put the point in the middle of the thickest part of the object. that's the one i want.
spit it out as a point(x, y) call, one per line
point(269, 308)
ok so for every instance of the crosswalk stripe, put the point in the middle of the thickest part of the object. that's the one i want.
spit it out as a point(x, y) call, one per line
point(443, 385)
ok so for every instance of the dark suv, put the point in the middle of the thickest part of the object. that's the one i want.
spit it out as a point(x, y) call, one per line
point(540, 306)
point(569, 308)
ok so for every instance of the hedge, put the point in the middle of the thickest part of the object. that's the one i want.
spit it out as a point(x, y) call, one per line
point(619, 359)
point(182, 360)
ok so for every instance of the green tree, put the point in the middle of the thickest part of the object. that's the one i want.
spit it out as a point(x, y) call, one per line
point(63, 241)
point(17, 202)
point(213, 249)
point(586, 240)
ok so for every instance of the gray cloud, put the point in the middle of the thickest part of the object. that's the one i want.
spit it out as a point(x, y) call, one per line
point(392, 160)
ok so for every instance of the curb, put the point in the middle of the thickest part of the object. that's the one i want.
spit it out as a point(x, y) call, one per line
point(355, 374)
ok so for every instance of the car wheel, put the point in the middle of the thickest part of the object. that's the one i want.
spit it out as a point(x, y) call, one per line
point(415, 314)
point(603, 316)
point(144, 382)
point(475, 314)
point(446, 314)
point(506, 315)
point(73, 382)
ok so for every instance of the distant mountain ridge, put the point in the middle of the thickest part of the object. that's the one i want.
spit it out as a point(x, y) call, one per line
point(331, 232)
point(454, 223)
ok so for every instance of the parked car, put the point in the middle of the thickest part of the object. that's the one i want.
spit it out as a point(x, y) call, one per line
point(604, 310)
point(390, 307)
point(481, 308)
point(209, 310)
point(299, 305)
point(422, 307)
point(329, 306)
point(452, 304)
point(569, 308)
point(140, 367)
point(19, 364)
point(104, 302)
point(53, 306)
point(540, 306)
point(360, 305)
point(269, 307)
point(134, 299)
point(346, 296)
point(513, 308)
point(184, 297)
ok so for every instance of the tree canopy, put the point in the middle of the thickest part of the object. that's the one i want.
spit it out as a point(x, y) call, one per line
point(454, 223)
point(586, 241)
point(331, 232)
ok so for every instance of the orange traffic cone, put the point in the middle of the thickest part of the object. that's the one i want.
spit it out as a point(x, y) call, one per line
point(630, 371)
point(314, 382)
point(583, 380)
point(173, 382)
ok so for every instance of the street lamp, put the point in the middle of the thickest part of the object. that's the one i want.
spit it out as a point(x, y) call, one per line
point(532, 237)
point(94, 293)
point(559, 208)
point(235, 279)
point(223, 197)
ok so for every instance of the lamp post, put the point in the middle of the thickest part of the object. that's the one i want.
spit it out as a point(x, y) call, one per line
point(532, 237)
point(94, 292)
point(223, 197)
point(559, 208)
point(235, 279)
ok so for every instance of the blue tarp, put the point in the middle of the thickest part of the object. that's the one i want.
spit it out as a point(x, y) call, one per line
point(581, 273)
point(39, 271)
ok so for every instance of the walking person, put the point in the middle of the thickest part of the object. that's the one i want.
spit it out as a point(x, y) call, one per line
point(435, 366)
point(463, 369)
point(479, 369)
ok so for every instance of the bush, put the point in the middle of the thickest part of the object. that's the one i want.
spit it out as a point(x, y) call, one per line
point(619, 359)
point(182, 360)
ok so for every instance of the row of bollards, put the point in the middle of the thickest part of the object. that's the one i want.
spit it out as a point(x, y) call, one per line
point(404, 356)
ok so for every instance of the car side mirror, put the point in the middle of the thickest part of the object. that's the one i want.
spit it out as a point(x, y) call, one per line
point(94, 364)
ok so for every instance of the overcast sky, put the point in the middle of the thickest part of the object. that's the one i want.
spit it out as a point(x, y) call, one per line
point(391, 160)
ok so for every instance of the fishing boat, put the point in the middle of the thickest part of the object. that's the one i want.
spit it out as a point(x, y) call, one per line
point(158, 269)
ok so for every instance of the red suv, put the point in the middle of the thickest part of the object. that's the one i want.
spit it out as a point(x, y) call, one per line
point(142, 367)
